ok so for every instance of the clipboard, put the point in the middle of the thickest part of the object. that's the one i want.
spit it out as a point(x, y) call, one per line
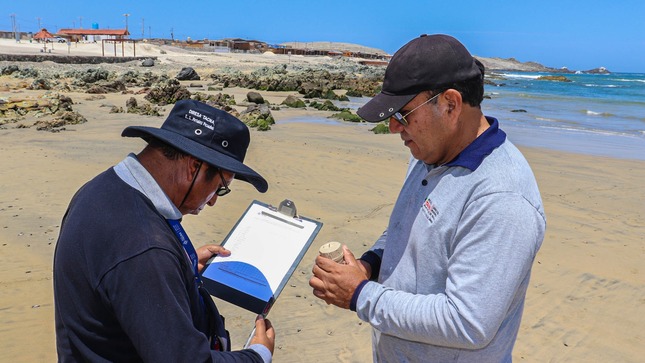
point(266, 245)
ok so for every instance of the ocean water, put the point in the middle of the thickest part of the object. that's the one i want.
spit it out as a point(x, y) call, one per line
point(595, 114)
point(613, 103)
point(598, 114)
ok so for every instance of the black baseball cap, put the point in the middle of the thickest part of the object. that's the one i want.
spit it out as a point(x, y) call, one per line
point(207, 133)
point(428, 62)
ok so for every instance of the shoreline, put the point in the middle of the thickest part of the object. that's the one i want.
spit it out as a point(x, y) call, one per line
point(581, 142)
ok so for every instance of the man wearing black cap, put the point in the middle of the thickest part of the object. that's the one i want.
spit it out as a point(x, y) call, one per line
point(126, 275)
point(446, 281)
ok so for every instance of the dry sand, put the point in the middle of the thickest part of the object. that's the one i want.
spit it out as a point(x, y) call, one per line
point(586, 302)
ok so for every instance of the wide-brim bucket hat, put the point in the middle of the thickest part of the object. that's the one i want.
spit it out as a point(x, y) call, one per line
point(207, 133)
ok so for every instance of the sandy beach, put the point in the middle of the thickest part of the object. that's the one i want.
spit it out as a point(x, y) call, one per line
point(586, 302)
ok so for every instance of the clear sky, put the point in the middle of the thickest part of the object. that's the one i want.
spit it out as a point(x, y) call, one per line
point(578, 34)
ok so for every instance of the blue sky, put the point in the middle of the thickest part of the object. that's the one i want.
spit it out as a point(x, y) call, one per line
point(580, 35)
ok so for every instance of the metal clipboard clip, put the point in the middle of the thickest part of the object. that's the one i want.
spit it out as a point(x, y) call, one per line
point(288, 209)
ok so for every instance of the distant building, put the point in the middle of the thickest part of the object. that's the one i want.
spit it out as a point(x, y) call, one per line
point(12, 35)
point(93, 35)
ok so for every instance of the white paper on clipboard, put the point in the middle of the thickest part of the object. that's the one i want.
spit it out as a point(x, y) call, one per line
point(266, 246)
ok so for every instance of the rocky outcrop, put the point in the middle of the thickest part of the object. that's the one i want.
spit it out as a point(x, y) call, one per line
point(167, 92)
point(59, 122)
point(49, 104)
point(54, 110)
point(294, 102)
point(258, 116)
point(554, 78)
point(132, 106)
point(512, 64)
point(311, 83)
point(222, 101)
point(67, 59)
point(599, 70)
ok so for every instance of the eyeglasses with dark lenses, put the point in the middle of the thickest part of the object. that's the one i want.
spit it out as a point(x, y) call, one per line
point(402, 118)
point(223, 190)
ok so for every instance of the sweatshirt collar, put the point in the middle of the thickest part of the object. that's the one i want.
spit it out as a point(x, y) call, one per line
point(475, 153)
point(135, 175)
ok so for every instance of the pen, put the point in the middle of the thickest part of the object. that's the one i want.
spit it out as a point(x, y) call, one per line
point(248, 341)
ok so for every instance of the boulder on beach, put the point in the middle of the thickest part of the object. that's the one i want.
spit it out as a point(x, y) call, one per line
point(254, 97)
point(187, 74)
point(294, 102)
point(148, 62)
point(258, 116)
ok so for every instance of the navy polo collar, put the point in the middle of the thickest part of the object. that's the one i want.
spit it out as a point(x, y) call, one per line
point(473, 155)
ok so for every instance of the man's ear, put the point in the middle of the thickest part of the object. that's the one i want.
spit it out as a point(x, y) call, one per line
point(190, 164)
point(453, 101)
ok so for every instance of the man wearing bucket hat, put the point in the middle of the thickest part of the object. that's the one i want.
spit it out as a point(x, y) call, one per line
point(126, 275)
point(446, 281)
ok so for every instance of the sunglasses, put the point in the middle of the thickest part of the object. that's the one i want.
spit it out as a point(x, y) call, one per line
point(402, 118)
point(223, 190)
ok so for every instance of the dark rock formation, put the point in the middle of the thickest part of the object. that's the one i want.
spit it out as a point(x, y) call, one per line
point(166, 92)
point(255, 97)
point(60, 120)
point(132, 106)
point(40, 84)
point(187, 74)
point(554, 78)
point(311, 83)
point(600, 70)
point(222, 101)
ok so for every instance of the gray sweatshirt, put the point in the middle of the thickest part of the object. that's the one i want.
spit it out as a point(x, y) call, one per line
point(456, 258)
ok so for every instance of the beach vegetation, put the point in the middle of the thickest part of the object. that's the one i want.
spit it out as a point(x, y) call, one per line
point(264, 125)
point(353, 93)
point(325, 106)
point(330, 95)
point(347, 115)
point(261, 124)
point(381, 128)
point(294, 102)
point(258, 117)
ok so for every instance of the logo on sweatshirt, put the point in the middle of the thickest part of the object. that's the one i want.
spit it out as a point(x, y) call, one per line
point(430, 211)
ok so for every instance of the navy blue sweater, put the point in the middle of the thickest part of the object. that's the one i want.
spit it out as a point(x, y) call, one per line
point(124, 289)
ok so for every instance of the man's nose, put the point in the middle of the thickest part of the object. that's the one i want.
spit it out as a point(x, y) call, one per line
point(395, 126)
point(211, 202)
